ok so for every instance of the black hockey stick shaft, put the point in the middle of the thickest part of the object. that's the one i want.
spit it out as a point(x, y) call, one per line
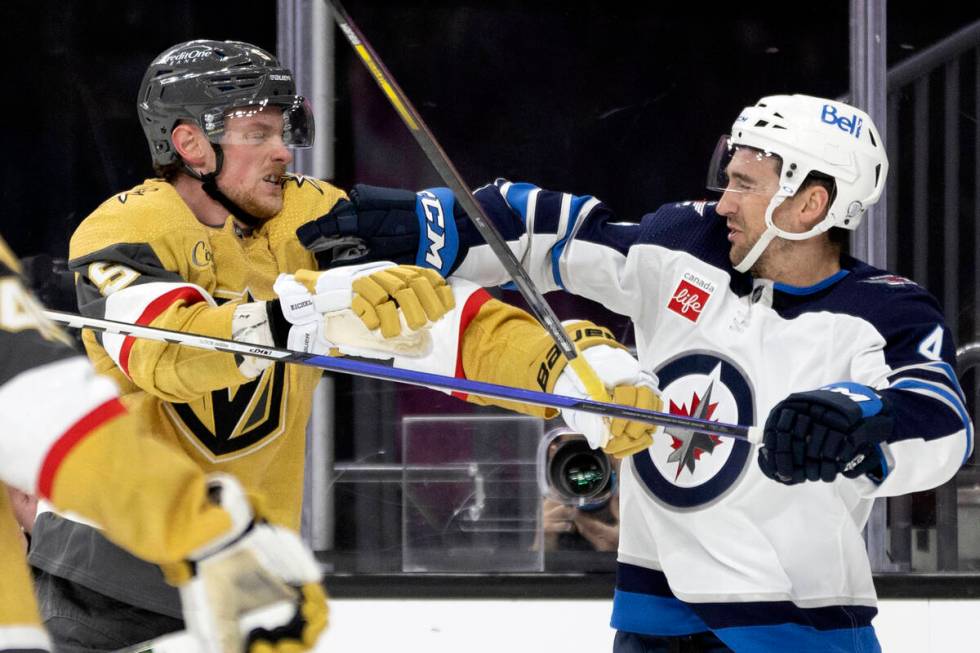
point(451, 177)
point(378, 371)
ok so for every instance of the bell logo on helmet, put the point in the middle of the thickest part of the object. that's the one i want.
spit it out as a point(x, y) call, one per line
point(850, 125)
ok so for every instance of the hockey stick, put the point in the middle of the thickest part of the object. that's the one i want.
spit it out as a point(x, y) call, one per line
point(451, 177)
point(376, 371)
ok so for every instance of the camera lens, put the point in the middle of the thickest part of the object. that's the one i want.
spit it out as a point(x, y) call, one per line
point(577, 471)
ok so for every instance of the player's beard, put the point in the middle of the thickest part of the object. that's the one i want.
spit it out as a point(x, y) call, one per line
point(739, 250)
point(257, 200)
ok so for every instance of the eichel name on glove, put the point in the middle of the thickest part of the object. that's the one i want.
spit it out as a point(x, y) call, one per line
point(375, 310)
point(820, 434)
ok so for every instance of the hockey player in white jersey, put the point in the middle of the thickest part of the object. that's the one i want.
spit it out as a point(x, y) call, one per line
point(748, 311)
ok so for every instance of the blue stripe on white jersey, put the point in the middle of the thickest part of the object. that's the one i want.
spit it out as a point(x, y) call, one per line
point(939, 393)
point(936, 379)
point(817, 287)
point(644, 604)
point(934, 370)
point(560, 214)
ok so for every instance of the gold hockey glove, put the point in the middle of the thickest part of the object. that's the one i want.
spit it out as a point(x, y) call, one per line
point(628, 385)
point(421, 294)
point(375, 310)
point(255, 566)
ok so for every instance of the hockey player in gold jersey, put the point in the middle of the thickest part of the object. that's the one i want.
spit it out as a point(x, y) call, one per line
point(210, 248)
point(169, 253)
point(77, 446)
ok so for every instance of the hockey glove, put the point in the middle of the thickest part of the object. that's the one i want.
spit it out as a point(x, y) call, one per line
point(629, 385)
point(816, 435)
point(376, 224)
point(426, 228)
point(375, 310)
point(254, 566)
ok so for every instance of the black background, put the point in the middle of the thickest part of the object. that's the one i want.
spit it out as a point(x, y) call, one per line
point(592, 97)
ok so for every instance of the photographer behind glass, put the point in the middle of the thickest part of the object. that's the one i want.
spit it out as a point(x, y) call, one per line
point(579, 485)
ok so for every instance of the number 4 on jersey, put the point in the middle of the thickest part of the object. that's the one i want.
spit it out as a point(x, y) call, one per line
point(931, 346)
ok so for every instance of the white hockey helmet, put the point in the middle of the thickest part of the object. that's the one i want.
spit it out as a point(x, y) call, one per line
point(808, 134)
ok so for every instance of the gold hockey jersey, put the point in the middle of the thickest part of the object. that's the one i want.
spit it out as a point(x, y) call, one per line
point(75, 445)
point(143, 257)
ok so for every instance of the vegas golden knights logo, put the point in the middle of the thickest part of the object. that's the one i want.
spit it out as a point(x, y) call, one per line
point(242, 416)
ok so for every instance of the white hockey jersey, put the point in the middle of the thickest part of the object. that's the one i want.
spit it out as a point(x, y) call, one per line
point(707, 541)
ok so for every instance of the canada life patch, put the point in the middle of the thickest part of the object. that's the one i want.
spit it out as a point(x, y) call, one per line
point(690, 296)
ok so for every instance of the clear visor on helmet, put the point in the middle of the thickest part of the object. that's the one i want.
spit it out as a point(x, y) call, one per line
point(743, 169)
point(256, 124)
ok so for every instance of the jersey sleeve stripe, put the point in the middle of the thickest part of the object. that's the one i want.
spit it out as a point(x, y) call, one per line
point(189, 294)
point(942, 394)
point(470, 310)
point(36, 424)
point(103, 413)
point(938, 371)
point(518, 197)
point(574, 210)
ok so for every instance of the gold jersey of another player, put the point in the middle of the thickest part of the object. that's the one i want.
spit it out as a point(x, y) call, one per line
point(142, 257)
point(75, 445)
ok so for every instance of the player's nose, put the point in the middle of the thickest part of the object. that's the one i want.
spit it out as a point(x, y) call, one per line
point(728, 204)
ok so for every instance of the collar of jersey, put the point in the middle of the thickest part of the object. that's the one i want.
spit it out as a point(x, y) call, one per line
point(809, 290)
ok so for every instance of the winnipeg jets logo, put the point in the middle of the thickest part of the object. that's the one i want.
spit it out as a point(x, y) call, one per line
point(889, 280)
point(698, 206)
point(690, 446)
point(684, 469)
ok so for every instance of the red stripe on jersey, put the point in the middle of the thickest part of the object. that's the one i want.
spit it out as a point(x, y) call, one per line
point(75, 434)
point(473, 305)
point(157, 306)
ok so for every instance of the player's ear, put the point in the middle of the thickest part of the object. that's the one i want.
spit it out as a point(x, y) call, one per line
point(816, 201)
point(191, 145)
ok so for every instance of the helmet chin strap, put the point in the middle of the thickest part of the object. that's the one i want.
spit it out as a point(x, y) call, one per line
point(767, 237)
point(772, 231)
point(209, 182)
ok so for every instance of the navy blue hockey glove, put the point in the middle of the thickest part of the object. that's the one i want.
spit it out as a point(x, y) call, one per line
point(816, 435)
point(391, 224)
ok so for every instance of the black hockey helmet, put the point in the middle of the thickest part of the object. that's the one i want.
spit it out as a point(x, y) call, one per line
point(201, 81)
